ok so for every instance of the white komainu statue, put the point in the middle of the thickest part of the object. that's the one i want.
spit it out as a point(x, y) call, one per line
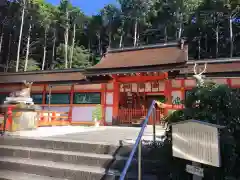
point(25, 92)
point(198, 76)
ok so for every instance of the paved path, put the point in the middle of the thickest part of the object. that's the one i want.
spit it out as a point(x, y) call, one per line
point(111, 135)
point(107, 134)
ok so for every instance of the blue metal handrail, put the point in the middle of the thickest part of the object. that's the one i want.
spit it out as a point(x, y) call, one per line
point(126, 167)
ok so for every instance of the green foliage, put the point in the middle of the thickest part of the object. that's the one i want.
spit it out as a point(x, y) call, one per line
point(137, 9)
point(80, 57)
point(45, 11)
point(97, 113)
point(157, 21)
point(33, 65)
point(217, 104)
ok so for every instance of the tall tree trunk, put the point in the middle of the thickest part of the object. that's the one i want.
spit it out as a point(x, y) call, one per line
point(206, 43)
point(122, 34)
point(1, 41)
point(73, 44)
point(180, 30)
point(28, 47)
point(44, 49)
point(135, 32)
point(53, 48)
point(121, 40)
point(89, 50)
point(66, 41)
point(199, 48)
point(180, 19)
point(217, 39)
point(176, 32)
point(110, 39)
point(165, 34)
point(20, 35)
point(231, 36)
point(99, 44)
point(9, 52)
point(138, 38)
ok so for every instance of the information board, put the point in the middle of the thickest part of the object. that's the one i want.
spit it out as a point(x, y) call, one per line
point(196, 141)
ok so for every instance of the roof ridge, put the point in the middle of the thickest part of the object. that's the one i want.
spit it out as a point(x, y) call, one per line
point(213, 61)
point(151, 46)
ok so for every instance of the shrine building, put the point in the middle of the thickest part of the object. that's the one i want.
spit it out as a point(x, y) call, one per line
point(124, 83)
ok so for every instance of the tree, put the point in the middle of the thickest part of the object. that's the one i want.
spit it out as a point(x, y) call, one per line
point(204, 24)
point(80, 57)
point(46, 19)
point(233, 9)
point(136, 10)
point(23, 4)
point(95, 30)
point(109, 14)
point(28, 44)
point(64, 12)
point(76, 20)
point(217, 104)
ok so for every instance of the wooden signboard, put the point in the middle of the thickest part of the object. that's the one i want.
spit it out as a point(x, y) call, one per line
point(141, 87)
point(148, 87)
point(196, 141)
point(155, 86)
point(127, 87)
point(129, 100)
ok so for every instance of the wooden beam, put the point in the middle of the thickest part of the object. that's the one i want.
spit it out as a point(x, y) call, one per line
point(141, 78)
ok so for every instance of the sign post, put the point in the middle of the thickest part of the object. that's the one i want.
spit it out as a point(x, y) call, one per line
point(196, 170)
point(198, 142)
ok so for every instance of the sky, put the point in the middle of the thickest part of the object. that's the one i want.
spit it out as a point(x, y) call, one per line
point(89, 7)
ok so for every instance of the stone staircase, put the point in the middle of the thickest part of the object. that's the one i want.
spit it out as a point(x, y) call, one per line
point(48, 159)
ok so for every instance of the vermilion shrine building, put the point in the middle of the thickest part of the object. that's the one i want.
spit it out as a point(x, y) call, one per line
point(124, 82)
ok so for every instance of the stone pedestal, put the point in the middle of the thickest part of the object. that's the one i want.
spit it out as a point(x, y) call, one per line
point(24, 115)
point(18, 100)
point(23, 119)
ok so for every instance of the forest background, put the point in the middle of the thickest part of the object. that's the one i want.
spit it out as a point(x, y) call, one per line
point(36, 35)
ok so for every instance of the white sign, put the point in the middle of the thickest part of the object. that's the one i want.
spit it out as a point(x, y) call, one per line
point(196, 141)
point(195, 170)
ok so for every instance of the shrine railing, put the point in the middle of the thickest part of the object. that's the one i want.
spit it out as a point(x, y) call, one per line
point(53, 118)
point(129, 115)
point(10, 113)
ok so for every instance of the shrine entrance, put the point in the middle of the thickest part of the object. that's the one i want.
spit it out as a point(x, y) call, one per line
point(136, 98)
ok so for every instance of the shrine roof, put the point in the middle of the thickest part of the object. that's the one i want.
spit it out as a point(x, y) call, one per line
point(151, 57)
point(51, 76)
point(225, 67)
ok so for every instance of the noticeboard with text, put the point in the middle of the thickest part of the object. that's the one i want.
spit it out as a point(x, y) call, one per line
point(196, 141)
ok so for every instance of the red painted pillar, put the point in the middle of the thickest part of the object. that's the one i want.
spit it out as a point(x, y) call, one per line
point(167, 93)
point(116, 94)
point(103, 104)
point(71, 104)
point(8, 124)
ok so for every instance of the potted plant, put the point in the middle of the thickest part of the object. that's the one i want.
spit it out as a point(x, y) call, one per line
point(97, 115)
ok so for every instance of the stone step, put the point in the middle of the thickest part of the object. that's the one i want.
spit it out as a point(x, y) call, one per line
point(11, 175)
point(66, 145)
point(62, 170)
point(123, 149)
point(90, 159)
